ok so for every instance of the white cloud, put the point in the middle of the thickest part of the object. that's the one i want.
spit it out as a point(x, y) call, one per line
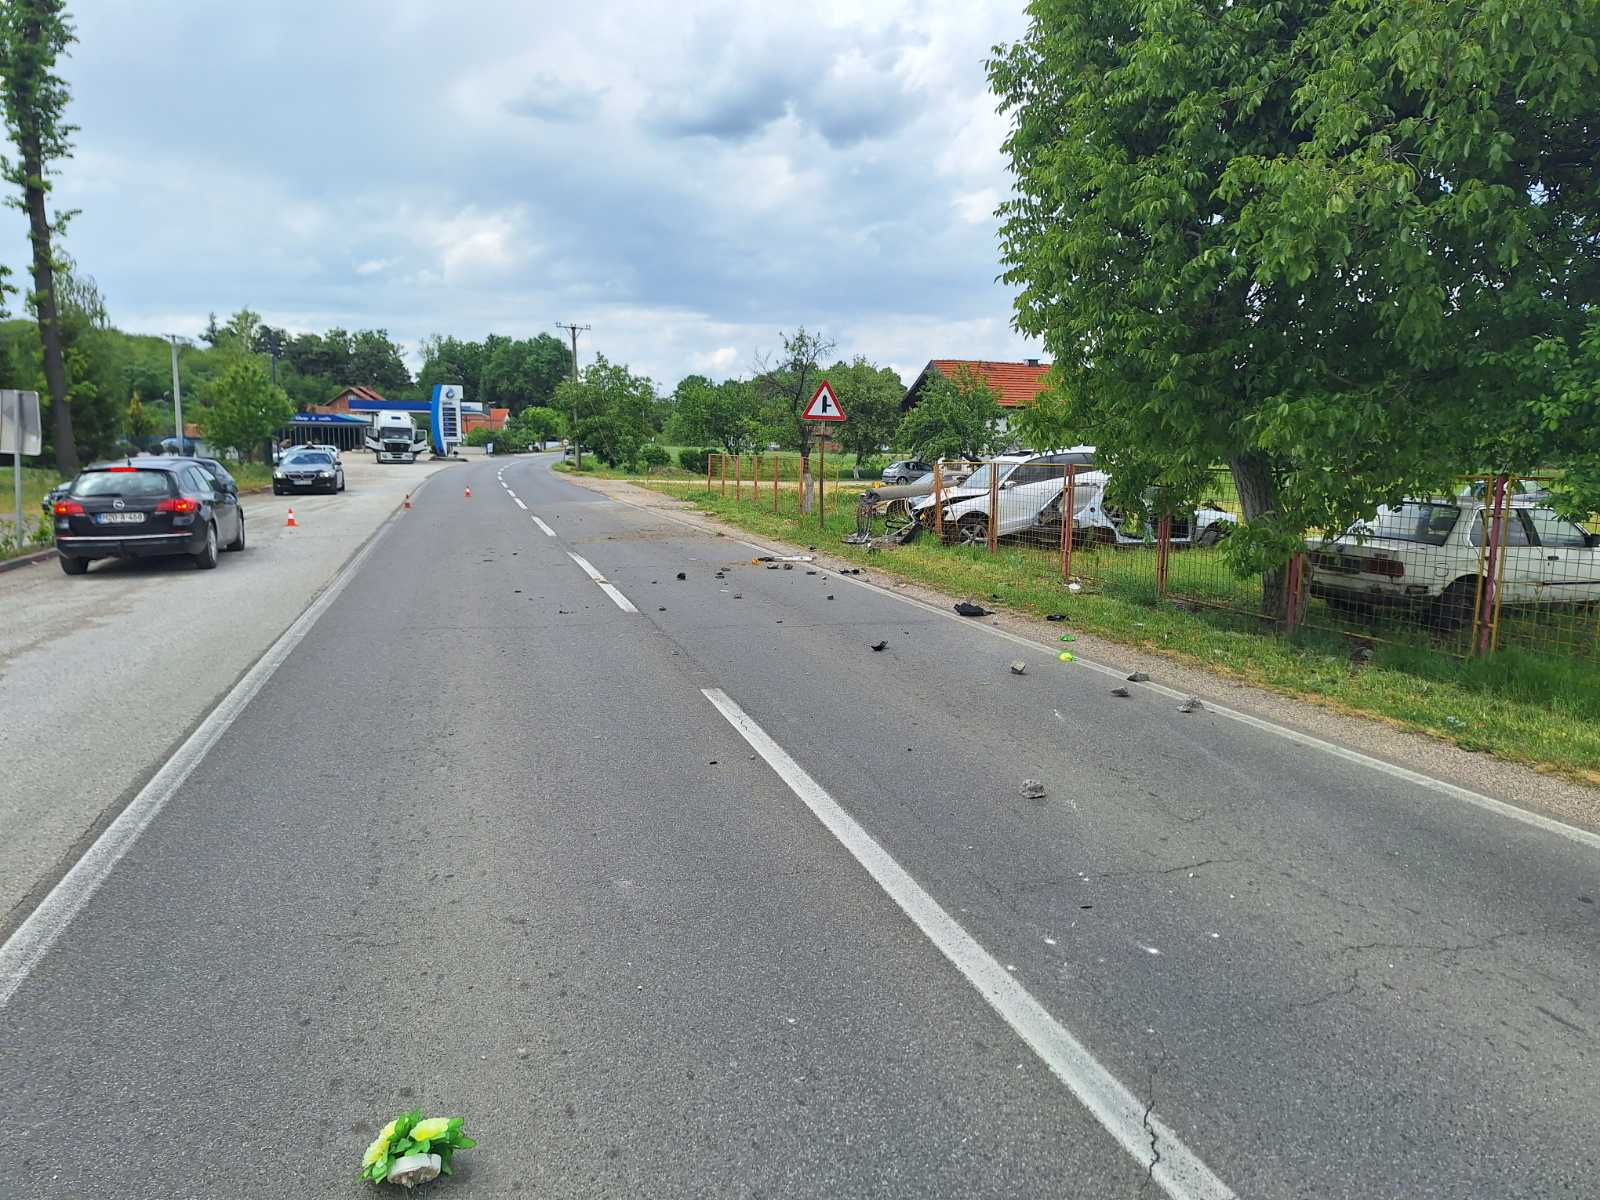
point(690, 179)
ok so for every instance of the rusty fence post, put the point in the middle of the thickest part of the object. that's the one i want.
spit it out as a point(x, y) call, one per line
point(738, 476)
point(722, 470)
point(1294, 580)
point(1163, 544)
point(938, 500)
point(994, 506)
point(1068, 509)
point(708, 473)
point(775, 462)
point(1488, 630)
point(822, 474)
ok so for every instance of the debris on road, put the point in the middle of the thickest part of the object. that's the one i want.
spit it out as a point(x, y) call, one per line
point(880, 645)
point(1138, 677)
point(783, 558)
point(1067, 656)
point(1055, 616)
point(683, 575)
point(830, 597)
point(1074, 586)
point(1066, 637)
point(1019, 667)
point(1032, 789)
point(1190, 705)
point(1121, 691)
point(971, 610)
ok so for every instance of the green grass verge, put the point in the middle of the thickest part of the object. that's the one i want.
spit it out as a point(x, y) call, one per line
point(36, 481)
point(1539, 709)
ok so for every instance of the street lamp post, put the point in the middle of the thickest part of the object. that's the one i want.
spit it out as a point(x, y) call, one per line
point(177, 392)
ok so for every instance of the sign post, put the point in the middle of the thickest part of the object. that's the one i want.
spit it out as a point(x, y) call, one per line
point(21, 433)
point(824, 406)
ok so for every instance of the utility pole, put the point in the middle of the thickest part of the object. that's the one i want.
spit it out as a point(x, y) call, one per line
point(177, 392)
point(577, 446)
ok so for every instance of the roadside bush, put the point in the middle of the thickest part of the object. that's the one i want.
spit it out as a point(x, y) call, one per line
point(481, 436)
point(693, 460)
point(870, 467)
point(653, 455)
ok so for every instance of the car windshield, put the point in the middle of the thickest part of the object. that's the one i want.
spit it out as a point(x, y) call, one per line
point(979, 479)
point(124, 482)
point(1413, 521)
point(309, 458)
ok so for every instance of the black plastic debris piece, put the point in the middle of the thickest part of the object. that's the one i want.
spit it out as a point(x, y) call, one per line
point(683, 575)
point(1056, 617)
point(971, 610)
point(880, 645)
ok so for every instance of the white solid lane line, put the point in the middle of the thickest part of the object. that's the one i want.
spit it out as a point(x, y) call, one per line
point(617, 597)
point(1178, 1170)
point(34, 937)
point(548, 531)
point(515, 500)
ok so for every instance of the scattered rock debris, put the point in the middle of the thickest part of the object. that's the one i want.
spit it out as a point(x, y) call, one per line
point(971, 610)
point(1121, 691)
point(1138, 677)
point(1019, 667)
point(1032, 789)
point(1190, 705)
point(683, 575)
point(881, 645)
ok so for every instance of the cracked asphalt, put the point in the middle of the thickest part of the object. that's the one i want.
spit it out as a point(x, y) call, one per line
point(482, 844)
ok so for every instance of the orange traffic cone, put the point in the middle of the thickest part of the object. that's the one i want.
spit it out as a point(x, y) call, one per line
point(469, 493)
point(408, 500)
point(290, 523)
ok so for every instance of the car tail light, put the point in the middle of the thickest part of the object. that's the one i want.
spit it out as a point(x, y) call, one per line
point(180, 504)
point(122, 469)
point(68, 508)
point(1393, 568)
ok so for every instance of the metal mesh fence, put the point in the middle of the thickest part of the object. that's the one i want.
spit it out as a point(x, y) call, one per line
point(1493, 566)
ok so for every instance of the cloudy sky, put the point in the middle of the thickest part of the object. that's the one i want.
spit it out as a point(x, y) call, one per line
point(688, 178)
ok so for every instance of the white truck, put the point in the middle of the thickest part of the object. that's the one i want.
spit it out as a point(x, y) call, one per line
point(394, 438)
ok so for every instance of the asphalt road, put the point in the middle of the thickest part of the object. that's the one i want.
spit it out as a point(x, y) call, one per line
point(103, 674)
point(487, 841)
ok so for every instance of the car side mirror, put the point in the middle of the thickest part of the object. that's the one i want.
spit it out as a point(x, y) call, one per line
point(1591, 540)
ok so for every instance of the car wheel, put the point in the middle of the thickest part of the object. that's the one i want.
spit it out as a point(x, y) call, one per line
point(1214, 533)
point(207, 558)
point(1453, 609)
point(341, 481)
point(972, 530)
point(238, 542)
point(73, 566)
point(276, 490)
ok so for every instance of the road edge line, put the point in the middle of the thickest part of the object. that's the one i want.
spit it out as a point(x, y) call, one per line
point(1134, 1125)
point(39, 931)
point(1574, 833)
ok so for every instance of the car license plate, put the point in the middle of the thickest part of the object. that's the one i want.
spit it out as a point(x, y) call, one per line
point(122, 518)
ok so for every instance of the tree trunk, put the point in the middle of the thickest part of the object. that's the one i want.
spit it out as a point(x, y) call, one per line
point(1258, 497)
point(44, 288)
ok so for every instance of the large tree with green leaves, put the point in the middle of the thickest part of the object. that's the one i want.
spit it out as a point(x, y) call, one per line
point(870, 396)
point(955, 417)
point(243, 407)
point(610, 408)
point(33, 36)
point(1347, 248)
point(725, 414)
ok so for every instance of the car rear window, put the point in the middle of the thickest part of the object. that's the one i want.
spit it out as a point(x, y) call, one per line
point(1429, 524)
point(123, 483)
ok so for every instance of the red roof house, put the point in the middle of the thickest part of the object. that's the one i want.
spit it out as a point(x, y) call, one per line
point(1017, 384)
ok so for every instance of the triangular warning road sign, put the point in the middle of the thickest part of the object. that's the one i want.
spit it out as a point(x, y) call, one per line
point(824, 405)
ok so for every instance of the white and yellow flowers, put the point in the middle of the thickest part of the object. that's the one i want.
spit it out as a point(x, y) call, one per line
point(413, 1149)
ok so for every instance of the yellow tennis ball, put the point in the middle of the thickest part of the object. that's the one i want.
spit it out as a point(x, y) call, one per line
point(1065, 656)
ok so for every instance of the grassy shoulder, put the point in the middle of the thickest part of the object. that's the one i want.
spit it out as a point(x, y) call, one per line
point(1536, 709)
